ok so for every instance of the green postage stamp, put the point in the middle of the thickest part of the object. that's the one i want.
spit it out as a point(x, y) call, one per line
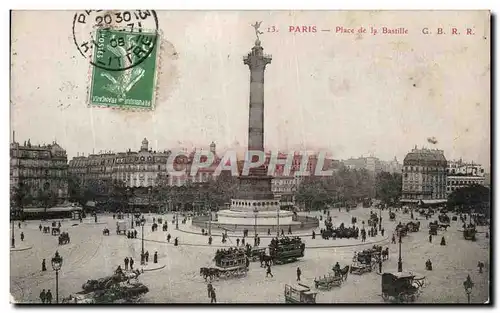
point(123, 71)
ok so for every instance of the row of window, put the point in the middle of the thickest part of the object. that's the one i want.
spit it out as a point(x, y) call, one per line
point(462, 182)
point(422, 169)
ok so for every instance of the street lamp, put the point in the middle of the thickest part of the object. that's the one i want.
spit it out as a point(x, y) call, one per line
point(400, 261)
point(380, 218)
point(13, 238)
point(57, 262)
point(177, 218)
point(468, 284)
point(209, 221)
point(143, 222)
point(255, 211)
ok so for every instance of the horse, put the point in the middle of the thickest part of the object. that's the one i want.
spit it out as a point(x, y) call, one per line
point(443, 226)
point(265, 259)
point(105, 232)
point(342, 272)
point(207, 272)
point(385, 254)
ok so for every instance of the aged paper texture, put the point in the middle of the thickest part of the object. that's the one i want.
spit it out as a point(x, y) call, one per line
point(250, 156)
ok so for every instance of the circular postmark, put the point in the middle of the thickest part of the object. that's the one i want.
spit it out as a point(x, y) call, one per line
point(115, 40)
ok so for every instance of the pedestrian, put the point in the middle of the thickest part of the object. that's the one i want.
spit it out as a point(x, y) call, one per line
point(382, 232)
point(209, 290)
point(430, 238)
point(135, 233)
point(114, 216)
point(283, 232)
point(131, 262)
point(42, 296)
point(155, 257)
point(126, 263)
point(269, 231)
point(268, 272)
point(22, 236)
point(258, 241)
point(58, 224)
point(380, 266)
point(146, 255)
point(48, 297)
point(299, 272)
point(176, 241)
point(313, 235)
point(44, 268)
point(40, 227)
point(237, 242)
point(243, 241)
point(289, 230)
point(210, 240)
point(443, 242)
point(168, 238)
point(393, 239)
point(213, 296)
point(480, 265)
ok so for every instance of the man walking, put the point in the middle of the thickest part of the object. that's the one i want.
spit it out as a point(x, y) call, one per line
point(213, 296)
point(268, 272)
point(44, 267)
point(131, 263)
point(48, 297)
point(209, 290)
point(22, 236)
point(42, 296)
point(299, 272)
point(126, 263)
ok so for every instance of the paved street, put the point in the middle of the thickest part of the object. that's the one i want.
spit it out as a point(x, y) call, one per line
point(90, 255)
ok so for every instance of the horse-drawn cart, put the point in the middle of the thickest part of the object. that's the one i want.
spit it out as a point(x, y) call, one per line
point(254, 254)
point(328, 281)
point(358, 268)
point(402, 287)
point(299, 294)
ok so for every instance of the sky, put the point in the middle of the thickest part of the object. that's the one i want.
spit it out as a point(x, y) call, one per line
point(348, 94)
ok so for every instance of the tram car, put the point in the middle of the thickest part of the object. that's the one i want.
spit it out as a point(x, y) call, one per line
point(299, 294)
point(286, 249)
point(231, 263)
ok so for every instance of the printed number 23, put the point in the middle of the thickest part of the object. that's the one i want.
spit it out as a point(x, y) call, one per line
point(272, 29)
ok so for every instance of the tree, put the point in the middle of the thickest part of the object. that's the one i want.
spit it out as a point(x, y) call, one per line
point(474, 197)
point(388, 187)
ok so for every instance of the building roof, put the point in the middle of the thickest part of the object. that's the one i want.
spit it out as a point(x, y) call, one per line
point(425, 157)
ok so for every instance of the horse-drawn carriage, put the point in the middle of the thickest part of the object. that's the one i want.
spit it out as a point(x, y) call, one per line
point(339, 232)
point(299, 294)
point(470, 233)
point(402, 230)
point(46, 229)
point(413, 226)
point(373, 221)
point(121, 227)
point(285, 250)
point(56, 231)
point(254, 253)
point(64, 238)
point(364, 261)
point(328, 281)
point(392, 216)
point(402, 287)
point(443, 218)
point(433, 227)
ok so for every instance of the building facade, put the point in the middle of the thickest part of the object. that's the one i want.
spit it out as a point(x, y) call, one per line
point(39, 169)
point(424, 176)
point(463, 174)
point(371, 164)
